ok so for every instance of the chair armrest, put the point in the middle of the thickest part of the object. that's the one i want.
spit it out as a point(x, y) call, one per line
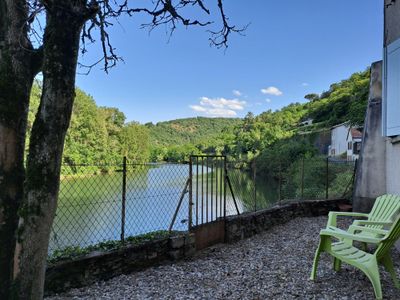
point(354, 228)
point(332, 216)
point(378, 223)
point(341, 234)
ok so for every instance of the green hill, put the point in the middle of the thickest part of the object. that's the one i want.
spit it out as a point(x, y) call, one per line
point(196, 131)
point(101, 134)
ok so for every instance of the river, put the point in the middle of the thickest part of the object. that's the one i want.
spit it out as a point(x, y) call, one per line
point(90, 207)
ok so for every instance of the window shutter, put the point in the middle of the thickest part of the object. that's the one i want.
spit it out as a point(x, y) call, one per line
point(391, 111)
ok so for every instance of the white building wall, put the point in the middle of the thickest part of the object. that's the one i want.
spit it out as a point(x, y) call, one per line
point(339, 140)
point(392, 34)
point(392, 166)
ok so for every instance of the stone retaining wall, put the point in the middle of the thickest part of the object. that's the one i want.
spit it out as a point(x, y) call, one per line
point(249, 224)
point(104, 265)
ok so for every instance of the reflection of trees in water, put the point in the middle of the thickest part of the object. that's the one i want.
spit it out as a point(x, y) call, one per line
point(89, 208)
point(258, 194)
point(308, 179)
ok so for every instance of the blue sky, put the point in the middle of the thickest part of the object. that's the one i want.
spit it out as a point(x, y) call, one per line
point(291, 48)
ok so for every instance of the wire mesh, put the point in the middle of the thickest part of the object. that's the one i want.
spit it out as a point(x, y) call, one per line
point(90, 209)
point(305, 179)
point(153, 192)
point(100, 203)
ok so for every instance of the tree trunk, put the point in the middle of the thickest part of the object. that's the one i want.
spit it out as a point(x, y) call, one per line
point(61, 46)
point(16, 78)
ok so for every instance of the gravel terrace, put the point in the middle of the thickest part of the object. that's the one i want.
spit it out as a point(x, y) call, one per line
point(272, 265)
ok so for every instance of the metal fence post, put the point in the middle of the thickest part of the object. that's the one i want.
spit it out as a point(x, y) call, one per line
point(302, 179)
point(255, 184)
point(280, 183)
point(327, 179)
point(190, 194)
point(123, 207)
point(225, 179)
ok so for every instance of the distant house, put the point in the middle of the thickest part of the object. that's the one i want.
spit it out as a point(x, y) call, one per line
point(307, 122)
point(345, 141)
point(354, 139)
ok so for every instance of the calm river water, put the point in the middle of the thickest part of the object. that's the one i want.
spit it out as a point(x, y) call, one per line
point(90, 207)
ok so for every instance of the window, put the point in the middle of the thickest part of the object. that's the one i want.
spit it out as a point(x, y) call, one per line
point(357, 148)
point(349, 145)
point(391, 85)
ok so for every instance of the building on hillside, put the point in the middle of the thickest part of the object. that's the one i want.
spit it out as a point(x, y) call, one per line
point(354, 140)
point(345, 141)
point(307, 122)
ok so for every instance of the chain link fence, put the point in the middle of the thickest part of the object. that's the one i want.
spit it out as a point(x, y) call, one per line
point(100, 203)
point(305, 179)
point(117, 202)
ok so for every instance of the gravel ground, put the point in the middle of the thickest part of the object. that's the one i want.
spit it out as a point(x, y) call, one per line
point(272, 265)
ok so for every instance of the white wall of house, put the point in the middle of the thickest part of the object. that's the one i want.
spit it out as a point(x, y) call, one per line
point(339, 139)
point(391, 95)
point(392, 168)
point(353, 145)
point(392, 37)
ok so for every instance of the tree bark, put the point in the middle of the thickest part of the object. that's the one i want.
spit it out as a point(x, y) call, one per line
point(61, 46)
point(16, 78)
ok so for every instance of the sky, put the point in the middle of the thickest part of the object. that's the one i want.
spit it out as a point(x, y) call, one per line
point(290, 48)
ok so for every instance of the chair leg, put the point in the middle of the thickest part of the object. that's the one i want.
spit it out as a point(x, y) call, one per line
point(316, 259)
point(388, 264)
point(372, 273)
point(337, 263)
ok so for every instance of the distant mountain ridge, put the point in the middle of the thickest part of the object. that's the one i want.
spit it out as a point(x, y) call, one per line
point(195, 130)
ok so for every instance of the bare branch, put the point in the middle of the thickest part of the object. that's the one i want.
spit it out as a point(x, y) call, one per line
point(220, 38)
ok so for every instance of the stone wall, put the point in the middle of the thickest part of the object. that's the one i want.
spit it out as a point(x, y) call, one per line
point(249, 224)
point(370, 179)
point(392, 21)
point(104, 265)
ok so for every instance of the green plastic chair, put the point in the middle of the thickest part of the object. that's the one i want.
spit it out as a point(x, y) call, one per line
point(383, 213)
point(344, 251)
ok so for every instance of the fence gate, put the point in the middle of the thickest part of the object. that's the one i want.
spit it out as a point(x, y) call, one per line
point(208, 186)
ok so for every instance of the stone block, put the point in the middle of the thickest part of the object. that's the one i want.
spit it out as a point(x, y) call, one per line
point(176, 254)
point(177, 242)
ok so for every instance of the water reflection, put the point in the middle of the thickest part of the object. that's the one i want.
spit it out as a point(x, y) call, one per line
point(89, 209)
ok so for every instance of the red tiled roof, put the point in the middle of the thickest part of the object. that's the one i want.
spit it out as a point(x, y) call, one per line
point(356, 134)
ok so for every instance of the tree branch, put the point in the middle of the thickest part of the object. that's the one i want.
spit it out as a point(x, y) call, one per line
point(37, 60)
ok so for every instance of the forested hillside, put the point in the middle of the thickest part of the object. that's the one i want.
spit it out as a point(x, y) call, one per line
point(270, 133)
point(189, 131)
point(100, 134)
point(278, 138)
point(175, 140)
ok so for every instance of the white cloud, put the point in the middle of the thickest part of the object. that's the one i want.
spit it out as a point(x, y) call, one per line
point(219, 107)
point(221, 112)
point(198, 108)
point(234, 104)
point(272, 91)
point(237, 93)
point(305, 84)
point(268, 100)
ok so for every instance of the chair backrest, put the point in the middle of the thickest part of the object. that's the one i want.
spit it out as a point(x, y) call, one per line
point(391, 237)
point(385, 208)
